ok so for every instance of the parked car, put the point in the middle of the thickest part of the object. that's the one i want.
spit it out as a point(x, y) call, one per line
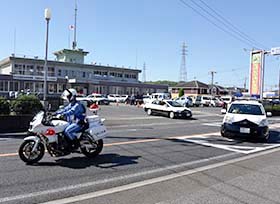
point(123, 98)
point(185, 101)
point(202, 101)
point(156, 96)
point(215, 102)
point(168, 108)
point(247, 119)
point(227, 99)
point(114, 97)
point(98, 98)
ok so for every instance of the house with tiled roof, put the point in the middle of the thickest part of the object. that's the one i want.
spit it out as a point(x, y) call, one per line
point(191, 88)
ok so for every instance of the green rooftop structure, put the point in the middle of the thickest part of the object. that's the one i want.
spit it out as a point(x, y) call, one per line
point(71, 55)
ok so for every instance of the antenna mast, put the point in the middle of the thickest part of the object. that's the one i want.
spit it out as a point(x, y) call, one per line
point(75, 28)
point(144, 73)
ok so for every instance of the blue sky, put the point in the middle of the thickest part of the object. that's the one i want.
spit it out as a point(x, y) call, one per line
point(131, 32)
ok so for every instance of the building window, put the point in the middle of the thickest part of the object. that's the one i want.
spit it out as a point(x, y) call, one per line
point(59, 72)
point(120, 75)
point(3, 85)
point(51, 72)
point(65, 73)
point(39, 71)
point(39, 87)
point(52, 88)
point(19, 69)
point(28, 86)
point(14, 86)
point(99, 73)
point(60, 88)
point(29, 69)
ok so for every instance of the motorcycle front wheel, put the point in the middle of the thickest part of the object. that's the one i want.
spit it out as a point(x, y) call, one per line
point(26, 154)
point(90, 149)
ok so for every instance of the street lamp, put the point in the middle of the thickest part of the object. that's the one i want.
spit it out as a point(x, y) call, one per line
point(48, 18)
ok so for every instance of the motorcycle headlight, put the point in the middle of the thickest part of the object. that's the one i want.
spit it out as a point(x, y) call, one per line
point(228, 119)
point(264, 122)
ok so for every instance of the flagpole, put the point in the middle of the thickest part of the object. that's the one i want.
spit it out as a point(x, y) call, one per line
point(69, 38)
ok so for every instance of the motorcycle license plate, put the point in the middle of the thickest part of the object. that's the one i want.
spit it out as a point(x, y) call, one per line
point(245, 130)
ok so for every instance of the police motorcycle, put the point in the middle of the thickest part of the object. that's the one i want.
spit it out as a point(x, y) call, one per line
point(46, 133)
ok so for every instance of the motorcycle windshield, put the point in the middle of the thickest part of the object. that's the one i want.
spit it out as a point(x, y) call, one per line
point(38, 117)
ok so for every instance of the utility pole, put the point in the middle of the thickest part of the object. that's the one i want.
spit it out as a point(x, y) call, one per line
point(245, 82)
point(279, 85)
point(212, 80)
point(183, 70)
point(212, 76)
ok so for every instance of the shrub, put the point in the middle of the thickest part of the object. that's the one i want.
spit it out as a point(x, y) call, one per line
point(26, 104)
point(4, 106)
point(181, 92)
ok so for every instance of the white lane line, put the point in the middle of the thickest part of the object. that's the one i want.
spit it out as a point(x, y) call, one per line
point(155, 180)
point(215, 124)
point(115, 179)
point(153, 124)
point(135, 118)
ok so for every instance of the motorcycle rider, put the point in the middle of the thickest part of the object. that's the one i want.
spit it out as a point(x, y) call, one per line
point(75, 114)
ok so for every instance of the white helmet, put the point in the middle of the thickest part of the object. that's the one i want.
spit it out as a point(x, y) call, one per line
point(69, 94)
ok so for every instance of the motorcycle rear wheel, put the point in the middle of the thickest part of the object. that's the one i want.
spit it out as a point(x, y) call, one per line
point(27, 156)
point(92, 152)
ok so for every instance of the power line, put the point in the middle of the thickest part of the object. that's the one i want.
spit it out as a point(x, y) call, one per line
point(221, 28)
point(231, 26)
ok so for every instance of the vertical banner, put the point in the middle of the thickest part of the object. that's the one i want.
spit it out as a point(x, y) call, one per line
point(256, 72)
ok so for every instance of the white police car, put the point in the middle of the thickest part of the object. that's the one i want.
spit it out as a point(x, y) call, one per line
point(246, 119)
point(169, 108)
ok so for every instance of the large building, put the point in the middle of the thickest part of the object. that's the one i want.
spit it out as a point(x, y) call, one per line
point(69, 70)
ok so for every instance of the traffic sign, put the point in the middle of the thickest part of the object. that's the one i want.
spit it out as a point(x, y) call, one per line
point(275, 51)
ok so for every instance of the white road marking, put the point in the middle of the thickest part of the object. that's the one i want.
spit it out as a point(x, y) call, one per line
point(216, 124)
point(155, 180)
point(120, 178)
point(155, 124)
point(136, 118)
point(202, 140)
point(276, 125)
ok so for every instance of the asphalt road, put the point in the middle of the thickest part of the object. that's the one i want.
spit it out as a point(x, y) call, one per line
point(149, 159)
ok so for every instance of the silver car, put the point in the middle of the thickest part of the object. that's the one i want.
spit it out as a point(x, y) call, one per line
point(185, 101)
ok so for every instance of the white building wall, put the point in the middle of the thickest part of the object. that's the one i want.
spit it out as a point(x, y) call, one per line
point(6, 70)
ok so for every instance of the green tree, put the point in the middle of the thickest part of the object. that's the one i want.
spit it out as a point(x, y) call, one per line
point(26, 104)
point(4, 106)
point(163, 82)
point(181, 92)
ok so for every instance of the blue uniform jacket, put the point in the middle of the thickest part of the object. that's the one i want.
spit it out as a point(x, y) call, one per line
point(76, 109)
